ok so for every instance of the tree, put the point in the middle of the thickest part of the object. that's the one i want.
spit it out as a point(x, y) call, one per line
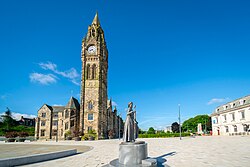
point(192, 123)
point(175, 127)
point(151, 130)
point(7, 119)
point(141, 131)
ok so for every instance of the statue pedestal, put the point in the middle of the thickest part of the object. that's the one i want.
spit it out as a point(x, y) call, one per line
point(132, 153)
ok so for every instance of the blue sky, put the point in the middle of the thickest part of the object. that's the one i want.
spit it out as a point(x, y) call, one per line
point(161, 54)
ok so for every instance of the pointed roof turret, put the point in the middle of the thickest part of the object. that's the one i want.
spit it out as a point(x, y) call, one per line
point(96, 20)
point(73, 104)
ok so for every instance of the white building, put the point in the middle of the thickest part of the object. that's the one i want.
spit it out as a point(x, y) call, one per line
point(168, 129)
point(232, 118)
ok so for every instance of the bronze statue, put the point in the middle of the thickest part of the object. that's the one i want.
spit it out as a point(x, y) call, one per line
point(129, 125)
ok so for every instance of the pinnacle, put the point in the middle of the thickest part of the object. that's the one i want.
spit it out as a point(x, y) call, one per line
point(96, 20)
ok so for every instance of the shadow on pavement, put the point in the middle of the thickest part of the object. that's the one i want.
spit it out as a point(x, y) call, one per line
point(162, 159)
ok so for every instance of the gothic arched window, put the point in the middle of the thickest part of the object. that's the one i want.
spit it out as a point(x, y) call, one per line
point(94, 71)
point(93, 32)
point(72, 113)
point(88, 72)
point(90, 105)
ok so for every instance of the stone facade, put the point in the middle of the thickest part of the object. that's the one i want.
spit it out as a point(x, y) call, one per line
point(95, 112)
point(53, 122)
point(232, 118)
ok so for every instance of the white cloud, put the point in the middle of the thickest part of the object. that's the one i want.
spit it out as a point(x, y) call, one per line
point(71, 74)
point(74, 81)
point(114, 104)
point(44, 79)
point(57, 105)
point(48, 66)
point(17, 116)
point(217, 100)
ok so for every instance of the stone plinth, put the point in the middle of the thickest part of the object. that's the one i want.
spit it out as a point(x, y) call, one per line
point(132, 153)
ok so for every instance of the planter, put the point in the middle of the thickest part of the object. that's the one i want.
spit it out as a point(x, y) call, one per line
point(10, 140)
point(91, 138)
point(77, 139)
point(68, 138)
point(21, 140)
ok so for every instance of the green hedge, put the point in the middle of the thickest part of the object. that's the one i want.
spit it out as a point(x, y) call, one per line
point(163, 135)
point(19, 128)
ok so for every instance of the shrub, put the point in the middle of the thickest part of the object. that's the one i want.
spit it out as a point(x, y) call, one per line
point(23, 134)
point(89, 136)
point(163, 135)
point(68, 133)
point(11, 134)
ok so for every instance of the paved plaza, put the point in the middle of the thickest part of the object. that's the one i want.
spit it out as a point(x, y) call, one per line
point(10, 150)
point(200, 151)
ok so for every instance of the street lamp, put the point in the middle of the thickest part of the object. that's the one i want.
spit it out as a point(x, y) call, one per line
point(180, 120)
point(57, 130)
point(119, 126)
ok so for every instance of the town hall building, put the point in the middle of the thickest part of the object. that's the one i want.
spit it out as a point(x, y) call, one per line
point(94, 112)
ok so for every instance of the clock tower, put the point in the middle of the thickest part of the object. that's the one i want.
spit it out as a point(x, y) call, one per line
point(94, 56)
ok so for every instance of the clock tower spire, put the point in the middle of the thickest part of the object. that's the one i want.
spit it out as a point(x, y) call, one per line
point(94, 97)
point(96, 20)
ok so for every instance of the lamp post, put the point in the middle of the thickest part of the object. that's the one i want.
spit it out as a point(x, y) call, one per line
point(57, 130)
point(180, 120)
point(205, 126)
point(119, 126)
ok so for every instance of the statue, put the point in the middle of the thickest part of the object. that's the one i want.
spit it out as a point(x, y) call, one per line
point(129, 128)
point(131, 152)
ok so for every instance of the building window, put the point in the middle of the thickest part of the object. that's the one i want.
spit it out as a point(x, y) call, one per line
point(242, 114)
point(93, 32)
point(89, 128)
point(43, 115)
point(88, 72)
point(93, 71)
point(225, 118)
point(235, 128)
point(215, 120)
point(55, 115)
point(233, 116)
point(226, 128)
point(90, 117)
point(234, 105)
point(226, 107)
point(42, 132)
point(66, 114)
point(90, 105)
point(66, 125)
point(245, 127)
point(55, 123)
point(54, 132)
point(43, 123)
point(72, 113)
point(218, 110)
point(72, 123)
point(244, 101)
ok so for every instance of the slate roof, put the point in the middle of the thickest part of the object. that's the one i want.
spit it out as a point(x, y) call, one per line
point(58, 108)
point(73, 104)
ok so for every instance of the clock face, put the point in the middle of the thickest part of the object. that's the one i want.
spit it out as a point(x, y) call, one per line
point(92, 49)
